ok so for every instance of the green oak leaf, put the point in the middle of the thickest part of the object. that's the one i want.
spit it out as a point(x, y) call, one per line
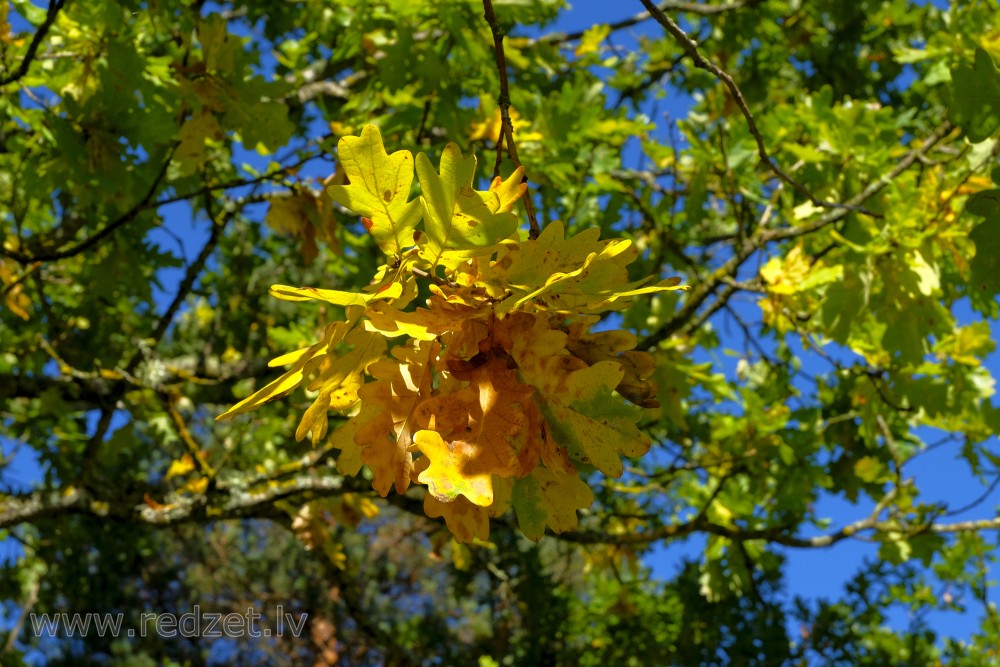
point(975, 97)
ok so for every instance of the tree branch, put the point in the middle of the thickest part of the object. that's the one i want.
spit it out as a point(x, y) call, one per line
point(506, 126)
point(230, 500)
point(873, 188)
point(190, 277)
point(98, 236)
point(691, 48)
point(93, 389)
point(685, 318)
point(55, 6)
point(686, 7)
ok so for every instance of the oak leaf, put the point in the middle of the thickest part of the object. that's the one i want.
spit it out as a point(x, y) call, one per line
point(458, 219)
point(379, 189)
point(547, 498)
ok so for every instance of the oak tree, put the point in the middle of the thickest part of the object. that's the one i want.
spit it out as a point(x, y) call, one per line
point(446, 328)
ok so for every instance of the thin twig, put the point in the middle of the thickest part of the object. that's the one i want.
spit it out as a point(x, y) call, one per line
point(691, 48)
point(685, 318)
point(686, 7)
point(107, 230)
point(229, 185)
point(978, 501)
point(194, 451)
point(506, 127)
point(190, 276)
point(55, 6)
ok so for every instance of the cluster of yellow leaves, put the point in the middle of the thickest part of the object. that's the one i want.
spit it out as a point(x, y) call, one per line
point(493, 392)
point(489, 128)
point(307, 216)
point(12, 289)
point(313, 523)
point(791, 282)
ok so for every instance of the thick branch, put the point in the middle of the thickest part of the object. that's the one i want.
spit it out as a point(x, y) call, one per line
point(225, 501)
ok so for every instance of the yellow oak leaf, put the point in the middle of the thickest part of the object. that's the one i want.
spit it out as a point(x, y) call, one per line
point(594, 427)
point(289, 214)
point(547, 498)
point(305, 216)
point(336, 297)
point(408, 381)
point(503, 414)
point(367, 439)
point(524, 266)
point(456, 468)
point(294, 376)
point(591, 40)
point(458, 219)
point(180, 467)
point(582, 416)
point(578, 274)
point(503, 489)
point(386, 423)
point(349, 461)
point(509, 191)
point(618, 346)
point(595, 285)
point(333, 396)
point(422, 323)
point(379, 189)
point(390, 463)
point(332, 369)
point(490, 128)
point(467, 522)
point(13, 289)
point(489, 415)
point(784, 275)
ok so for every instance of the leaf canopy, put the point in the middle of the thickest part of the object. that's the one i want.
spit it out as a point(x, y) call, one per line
point(580, 357)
